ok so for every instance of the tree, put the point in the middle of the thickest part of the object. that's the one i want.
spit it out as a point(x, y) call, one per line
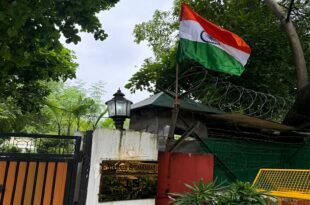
point(69, 106)
point(67, 109)
point(30, 48)
point(299, 114)
point(7, 116)
point(24, 85)
point(270, 68)
point(13, 119)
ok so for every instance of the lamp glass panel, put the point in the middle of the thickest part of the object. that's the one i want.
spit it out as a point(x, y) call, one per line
point(121, 108)
point(111, 108)
point(128, 108)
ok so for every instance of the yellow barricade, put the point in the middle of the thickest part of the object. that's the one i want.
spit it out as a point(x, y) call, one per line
point(284, 183)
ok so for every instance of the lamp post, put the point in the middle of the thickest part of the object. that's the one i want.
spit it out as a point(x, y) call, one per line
point(119, 109)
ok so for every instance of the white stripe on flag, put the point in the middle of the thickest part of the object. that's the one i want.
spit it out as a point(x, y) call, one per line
point(191, 30)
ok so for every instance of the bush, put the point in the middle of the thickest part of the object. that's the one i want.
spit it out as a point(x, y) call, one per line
point(238, 193)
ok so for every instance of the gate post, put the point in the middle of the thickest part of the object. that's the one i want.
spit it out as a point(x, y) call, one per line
point(87, 147)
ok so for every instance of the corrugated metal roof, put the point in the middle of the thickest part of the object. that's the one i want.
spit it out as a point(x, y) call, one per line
point(253, 122)
point(164, 100)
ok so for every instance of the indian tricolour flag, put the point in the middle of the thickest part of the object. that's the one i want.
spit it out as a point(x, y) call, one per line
point(210, 45)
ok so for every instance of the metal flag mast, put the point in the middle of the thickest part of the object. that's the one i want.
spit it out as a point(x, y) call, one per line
point(176, 106)
point(175, 111)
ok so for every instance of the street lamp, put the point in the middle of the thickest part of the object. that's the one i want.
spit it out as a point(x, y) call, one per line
point(119, 109)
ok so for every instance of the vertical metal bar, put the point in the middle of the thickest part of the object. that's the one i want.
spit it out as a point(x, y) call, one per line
point(4, 181)
point(25, 183)
point(15, 182)
point(74, 165)
point(280, 201)
point(54, 182)
point(67, 197)
point(87, 147)
point(174, 118)
point(77, 147)
point(44, 183)
point(257, 177)
point(34, 183)
point(177, 83)
point(175, 111)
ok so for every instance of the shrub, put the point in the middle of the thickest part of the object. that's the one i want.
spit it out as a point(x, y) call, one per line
point(238, 193)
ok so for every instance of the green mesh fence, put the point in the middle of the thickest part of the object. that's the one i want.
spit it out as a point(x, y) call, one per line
point(243, 158)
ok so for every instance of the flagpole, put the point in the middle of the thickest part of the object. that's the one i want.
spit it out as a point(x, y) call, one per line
point(175, 111)
point(176, 100)
point(176, 106)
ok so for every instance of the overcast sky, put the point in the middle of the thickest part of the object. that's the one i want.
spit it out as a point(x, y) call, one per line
point(114, 60)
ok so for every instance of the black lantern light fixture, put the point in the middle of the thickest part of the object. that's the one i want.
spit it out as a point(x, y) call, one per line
point(119, 109)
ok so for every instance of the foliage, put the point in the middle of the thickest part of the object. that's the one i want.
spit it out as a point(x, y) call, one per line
point(69, 107)
point(10, 149)
point(164, 32)
point(210, 193)
point(108, 123)
point(270, 68)
point(240, 193)
point(56, 146)
point(66, 105)
point(22, 81)
point(30, 48)
point(13, 119)
point(7, 116)
point(200, 193)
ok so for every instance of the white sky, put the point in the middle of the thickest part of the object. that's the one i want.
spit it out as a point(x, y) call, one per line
point(115, 59)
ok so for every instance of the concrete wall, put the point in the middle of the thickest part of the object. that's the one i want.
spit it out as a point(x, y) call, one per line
point(116, 145)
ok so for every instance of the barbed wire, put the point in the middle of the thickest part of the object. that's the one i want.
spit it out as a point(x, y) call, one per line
point(229, 97)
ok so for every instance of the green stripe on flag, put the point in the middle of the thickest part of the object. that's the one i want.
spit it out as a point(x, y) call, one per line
point(209, 56)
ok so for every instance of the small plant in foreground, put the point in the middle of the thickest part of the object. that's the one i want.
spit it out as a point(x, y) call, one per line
point(242, 193)
point(238, 193)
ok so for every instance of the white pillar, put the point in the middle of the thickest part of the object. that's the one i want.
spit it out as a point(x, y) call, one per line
point(111, 144)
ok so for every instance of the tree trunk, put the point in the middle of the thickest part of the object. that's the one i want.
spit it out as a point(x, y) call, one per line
point(78, 124)
point(299, 114)
point(298, 54)
point(59, 128)
point(69, 129)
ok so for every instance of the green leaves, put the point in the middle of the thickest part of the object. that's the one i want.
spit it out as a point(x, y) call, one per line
point(12, 32)
point(73, 108)
point(158, 32)
point(200, 193)
point(244, 194)
point(30, 47)
point(238, 193)
point(270, 68)
point(22, 74)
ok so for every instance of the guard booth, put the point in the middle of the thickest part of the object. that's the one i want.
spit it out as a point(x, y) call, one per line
point(240, 144)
